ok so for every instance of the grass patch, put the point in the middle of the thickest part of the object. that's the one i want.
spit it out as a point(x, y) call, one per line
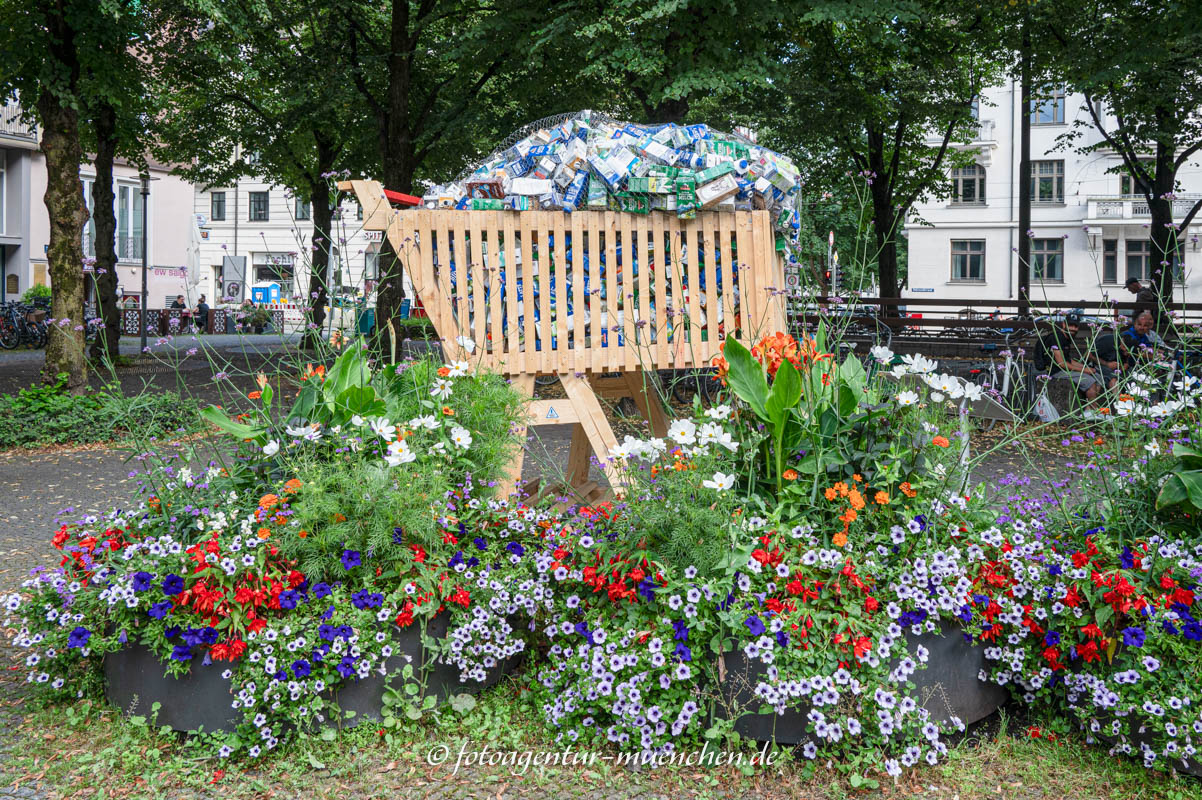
point(86, 750)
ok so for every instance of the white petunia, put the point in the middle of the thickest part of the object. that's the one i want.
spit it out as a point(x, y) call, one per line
point(721, 482)
point(461, 437)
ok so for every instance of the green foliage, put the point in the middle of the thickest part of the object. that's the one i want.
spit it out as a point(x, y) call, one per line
point(44, 415)
point(37, 292)
point(1183, 485)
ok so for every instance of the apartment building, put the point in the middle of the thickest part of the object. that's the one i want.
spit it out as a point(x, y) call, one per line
point(171, 236)
point(1090, 225)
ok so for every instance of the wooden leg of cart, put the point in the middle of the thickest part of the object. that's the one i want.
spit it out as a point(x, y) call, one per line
point(596, 427)
point(647, 399)
point(523, 385)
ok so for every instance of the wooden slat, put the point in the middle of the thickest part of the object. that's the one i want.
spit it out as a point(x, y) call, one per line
point(512, 308)
point(727, 226)
point(771, 277)
point(578, 251)
point(562, 353)
point(642, 332)
point(630, 253)
point(752, 292)
point(443, 313)
point(423, 276)
point(529, 357)
point(492, 280)
point(459, 239)
point(594, 296)
point(716, 260)
point(743, 240)
point(479, 307)
point(675, 277)
point(609, 356)
point(694, 237)
point(658, 331)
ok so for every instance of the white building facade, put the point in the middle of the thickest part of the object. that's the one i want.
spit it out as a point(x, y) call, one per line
point(171, 237)
point(1090, 226)
point(257, 236)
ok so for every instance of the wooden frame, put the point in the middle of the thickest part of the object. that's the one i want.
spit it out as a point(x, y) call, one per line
point(549, 293)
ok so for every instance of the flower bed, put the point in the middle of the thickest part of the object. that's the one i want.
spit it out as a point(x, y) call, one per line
point(799, 564)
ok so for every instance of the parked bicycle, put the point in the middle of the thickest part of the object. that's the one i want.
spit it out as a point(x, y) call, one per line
point(23, 323)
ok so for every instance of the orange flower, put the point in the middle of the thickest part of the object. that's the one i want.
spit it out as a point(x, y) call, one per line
point(940, 441)
point(293, 485)
point(849, 516)
point(444, 371)
point(831, 494)
point(302, 534)
point(857, 478)
point(261, 379)
point(264, 533)
point(254, 395)
point(881, 498)
point(447, 411)
point(790, 475)
point(839, 539)
point(339, 517)
point(856, 499)
point(314, 372)
point(268, 501)
point(719, 363)
point(841, 488)
point(907, 490)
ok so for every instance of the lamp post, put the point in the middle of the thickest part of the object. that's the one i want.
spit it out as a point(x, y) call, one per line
point(145, 310)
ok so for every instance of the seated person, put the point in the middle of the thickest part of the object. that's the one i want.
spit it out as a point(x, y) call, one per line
point(1057, 352)
point(1137, 340)
point(185, 313)
point(1108, 356)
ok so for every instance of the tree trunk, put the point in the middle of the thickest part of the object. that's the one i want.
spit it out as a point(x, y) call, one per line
point(884, 217)
point(1165, 237)
point(319, 284)
point(68, 214)
point(104, 219)
point(666, 110)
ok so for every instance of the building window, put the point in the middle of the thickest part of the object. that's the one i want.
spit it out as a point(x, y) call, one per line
point(969, 185)
point(258, 207)
point(1110, 261)
point(302, 209)
point(1141, 263)
point(975, 109)
point(1048, 107)
point(3, 188)
point(1129, 185)
point(1047, 181)
point(1047, 260)
point(217, 206)
point(968, 259)
point(358, 212)
point(275, 268)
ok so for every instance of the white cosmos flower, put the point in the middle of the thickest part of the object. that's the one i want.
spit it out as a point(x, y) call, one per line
point(683, 431)
point(467, 343)
point(727, 441)
point(310, 432)
point(399, 453)
point(718, 412)
point(919, 364)
point(709, 434)
point(381, 427)
point(907, 398)
point(442, 388)
point(271, 448)
point(882, 354)
point(357, 421)
point(972, 392)
point(936, 397)
point(429, 422)
point(720, 483)
point(1124, 407)
point(457, 369)
point(461, 437)
point(1153, 447)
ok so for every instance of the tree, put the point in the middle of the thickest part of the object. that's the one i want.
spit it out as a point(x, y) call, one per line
point(885, 91)
point(1137, 65)
point(269, 84)
point(42, 50)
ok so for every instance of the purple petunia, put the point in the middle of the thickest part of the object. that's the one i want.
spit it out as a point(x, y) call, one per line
point(351, 559)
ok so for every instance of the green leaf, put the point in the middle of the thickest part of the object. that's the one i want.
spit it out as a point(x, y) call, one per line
point(267, 395)
point(786, 392)
point(1103, 615)
point(413, 713)
point(241, 430)
point(746, 377)
point(1172, 493)
point(313, 762)
point(463, 702)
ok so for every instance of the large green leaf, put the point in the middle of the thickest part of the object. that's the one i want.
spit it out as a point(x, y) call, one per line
point(1181, 487)
point(746, 377)
point(786, 391)
point(241, 430)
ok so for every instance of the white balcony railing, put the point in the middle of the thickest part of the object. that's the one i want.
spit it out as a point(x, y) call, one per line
point(1134, 208)
point(13, 127)
point(129, 248)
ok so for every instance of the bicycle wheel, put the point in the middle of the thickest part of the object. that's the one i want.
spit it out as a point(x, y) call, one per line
point(10, 337)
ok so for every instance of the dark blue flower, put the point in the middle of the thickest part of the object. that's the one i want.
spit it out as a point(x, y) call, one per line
point(646, 588)
point(159, 610)
point(1193, 631)
point(398, 536)
point(173, 585)
point(480, 543)
point(182, 652)
point(782, 638)
point(329, 612)
point(515, 548)
point(680, 630)
point(754, 625)
point(326, 632)
point(289, 599)
point(142, 581)
point(1051, 639)
point(683, 652)
point(473, 562)
point(364, 599)
point(1055, 569)
point(1127, 559)
point(346, 667)
point(321, 590)
point(1133, 637)
point(456, 559)
point(351, 559)
point(79, 637)
point(301, 668)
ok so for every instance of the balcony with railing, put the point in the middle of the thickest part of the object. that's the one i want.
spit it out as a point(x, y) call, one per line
point(129, 248)
point(13, 127)
point(1120, 208)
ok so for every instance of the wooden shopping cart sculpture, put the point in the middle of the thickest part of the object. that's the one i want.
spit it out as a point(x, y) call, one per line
point(600, 299)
